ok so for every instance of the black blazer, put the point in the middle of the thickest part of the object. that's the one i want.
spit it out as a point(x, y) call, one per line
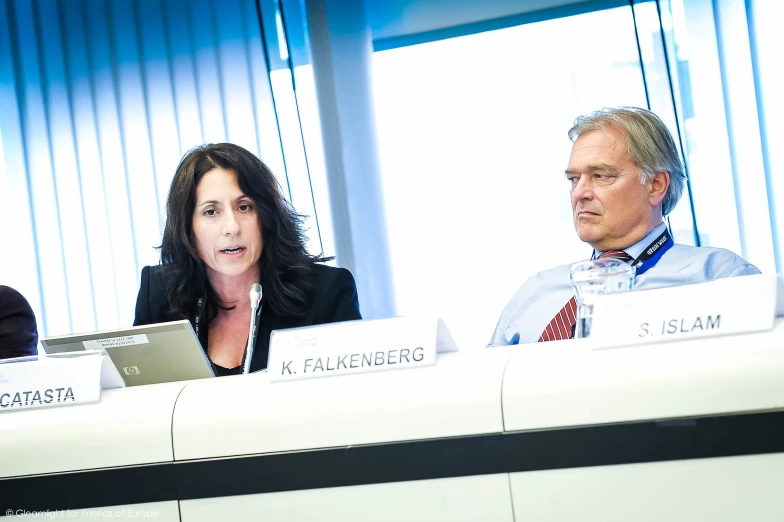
point(333, 298)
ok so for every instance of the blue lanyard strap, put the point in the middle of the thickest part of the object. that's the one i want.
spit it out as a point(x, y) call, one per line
point(651, 255)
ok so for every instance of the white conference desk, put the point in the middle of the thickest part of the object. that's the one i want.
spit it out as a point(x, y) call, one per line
point(678, 431)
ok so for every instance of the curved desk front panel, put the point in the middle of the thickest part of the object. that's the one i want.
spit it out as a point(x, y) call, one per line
point(464, 499)
point(727, 489)
point(157, 511)
point(247, 415)
point(569, 383)
point(129, 426)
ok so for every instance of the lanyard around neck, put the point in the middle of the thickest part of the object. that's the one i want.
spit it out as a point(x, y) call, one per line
point(253, 335)
point(200, 312)
point(652, 253)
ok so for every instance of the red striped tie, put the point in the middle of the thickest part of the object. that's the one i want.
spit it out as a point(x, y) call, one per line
point(562, 324)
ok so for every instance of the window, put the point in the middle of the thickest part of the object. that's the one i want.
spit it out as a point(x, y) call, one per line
point(473, 143)
point(296, 107)
point(724, 78)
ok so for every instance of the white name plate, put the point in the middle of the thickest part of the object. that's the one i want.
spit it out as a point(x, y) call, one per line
point(725, 306)
point(56, 380)
point(356, 347)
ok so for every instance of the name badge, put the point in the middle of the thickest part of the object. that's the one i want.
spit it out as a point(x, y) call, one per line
point(56, 380)
point(726, 306)
point(356, 347)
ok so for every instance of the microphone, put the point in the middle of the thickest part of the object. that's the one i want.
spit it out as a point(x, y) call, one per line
point(255, 299)
point(255, 296)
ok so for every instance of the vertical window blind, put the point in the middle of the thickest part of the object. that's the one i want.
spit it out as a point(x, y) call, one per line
point(100, 100)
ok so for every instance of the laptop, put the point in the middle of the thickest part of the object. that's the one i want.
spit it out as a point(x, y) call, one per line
point(148, 354)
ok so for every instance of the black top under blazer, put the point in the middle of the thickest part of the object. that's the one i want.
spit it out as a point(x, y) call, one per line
point(332, 298)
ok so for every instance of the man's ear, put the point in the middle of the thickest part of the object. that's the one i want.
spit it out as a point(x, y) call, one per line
point(657, 187)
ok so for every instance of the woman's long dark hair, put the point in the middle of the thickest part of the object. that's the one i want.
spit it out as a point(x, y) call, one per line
point(284, 263)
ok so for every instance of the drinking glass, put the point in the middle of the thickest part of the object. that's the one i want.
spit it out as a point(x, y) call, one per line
point(597, 277)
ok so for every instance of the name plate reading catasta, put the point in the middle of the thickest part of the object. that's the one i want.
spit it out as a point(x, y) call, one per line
point(356, 347)
point(725, 306)
point(56, 380)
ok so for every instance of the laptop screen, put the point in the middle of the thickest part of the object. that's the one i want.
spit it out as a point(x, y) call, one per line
point(148, 354)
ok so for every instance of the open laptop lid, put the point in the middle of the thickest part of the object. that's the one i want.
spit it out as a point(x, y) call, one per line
point(148, 354)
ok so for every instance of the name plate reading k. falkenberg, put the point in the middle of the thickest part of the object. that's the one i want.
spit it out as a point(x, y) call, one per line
point(726, 306)
point(56, 380)
point(356, 347)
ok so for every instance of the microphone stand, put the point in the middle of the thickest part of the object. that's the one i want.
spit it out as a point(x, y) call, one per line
point(255, 299)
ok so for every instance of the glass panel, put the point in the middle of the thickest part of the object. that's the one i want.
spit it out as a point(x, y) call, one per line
point(473, 144)
point(297, 113)
point(766, 19)
point(295, 23)
point(662, 94)
point(711, 67)
point(305, 87)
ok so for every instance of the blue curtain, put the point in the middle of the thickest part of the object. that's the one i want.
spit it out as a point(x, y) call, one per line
point(100, 100)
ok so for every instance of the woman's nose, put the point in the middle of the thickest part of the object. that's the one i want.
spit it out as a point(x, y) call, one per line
point(231, 225)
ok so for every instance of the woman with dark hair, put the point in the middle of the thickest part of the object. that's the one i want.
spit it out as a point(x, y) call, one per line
point(227, 228)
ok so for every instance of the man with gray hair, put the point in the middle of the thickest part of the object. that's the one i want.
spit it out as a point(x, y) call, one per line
point(625, 176)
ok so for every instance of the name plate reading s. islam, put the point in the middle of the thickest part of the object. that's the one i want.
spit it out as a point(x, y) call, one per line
point(356, 347)
point(56, 380)
point(726, 306)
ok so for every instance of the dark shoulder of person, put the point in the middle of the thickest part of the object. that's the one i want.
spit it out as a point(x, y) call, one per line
point(333, 296)
point(152, 303)
point(18, 327)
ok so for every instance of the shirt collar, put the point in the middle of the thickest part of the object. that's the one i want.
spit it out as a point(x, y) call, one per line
point(636, 249)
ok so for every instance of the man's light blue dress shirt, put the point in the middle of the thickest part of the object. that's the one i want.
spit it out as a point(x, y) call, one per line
point(543, 295)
